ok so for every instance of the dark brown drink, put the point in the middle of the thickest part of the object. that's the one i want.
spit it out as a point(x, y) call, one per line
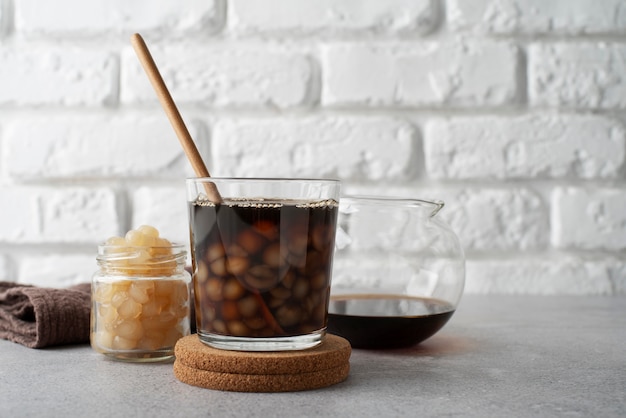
point(386, 321)
point(262, 268)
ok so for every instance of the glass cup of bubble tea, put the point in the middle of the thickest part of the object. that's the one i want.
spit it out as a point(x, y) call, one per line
point(262, 252)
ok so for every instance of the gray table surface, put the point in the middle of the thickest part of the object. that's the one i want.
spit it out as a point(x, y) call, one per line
point(498, 356)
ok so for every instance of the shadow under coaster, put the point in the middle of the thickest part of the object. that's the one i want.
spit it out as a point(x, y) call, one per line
point(198, 364)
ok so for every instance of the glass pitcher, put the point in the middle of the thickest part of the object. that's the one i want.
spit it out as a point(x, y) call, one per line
point(398, 275)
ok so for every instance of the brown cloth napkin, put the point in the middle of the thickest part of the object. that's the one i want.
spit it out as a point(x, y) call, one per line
point(40, 317)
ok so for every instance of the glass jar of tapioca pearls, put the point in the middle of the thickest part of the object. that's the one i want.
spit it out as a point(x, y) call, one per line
point(140, 297)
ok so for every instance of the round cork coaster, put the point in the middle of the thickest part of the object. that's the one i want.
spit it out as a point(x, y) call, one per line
point(198, 364)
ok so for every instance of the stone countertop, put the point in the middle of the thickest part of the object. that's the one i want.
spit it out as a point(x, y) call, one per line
point(498, 356)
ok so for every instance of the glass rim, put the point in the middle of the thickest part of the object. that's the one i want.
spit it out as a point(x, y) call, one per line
point(437, 205)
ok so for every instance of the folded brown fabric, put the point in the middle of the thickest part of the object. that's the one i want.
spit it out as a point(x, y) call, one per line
point(40, 317)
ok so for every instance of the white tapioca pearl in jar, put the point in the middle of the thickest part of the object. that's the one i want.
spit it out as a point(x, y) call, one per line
point(129, 309)
point(141, 290)
point(140, 302)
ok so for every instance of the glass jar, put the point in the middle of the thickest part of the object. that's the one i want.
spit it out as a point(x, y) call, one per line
point(398, 275)
point(140, 302)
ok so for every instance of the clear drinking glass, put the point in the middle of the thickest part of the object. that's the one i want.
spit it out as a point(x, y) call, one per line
point(399, 272)
point(262, 252)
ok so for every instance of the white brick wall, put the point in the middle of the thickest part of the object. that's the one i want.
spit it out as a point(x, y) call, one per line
point(512, 112)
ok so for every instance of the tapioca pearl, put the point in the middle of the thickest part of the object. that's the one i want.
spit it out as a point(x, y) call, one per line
point(321, 237)
point(129, 309)
point(315, 261)
point(107, 318)
point(267, 229)
point(297, 260)
point(298, 240)
point(215, 252)
point(149, 344)
point(208, 313)
point(135, 238)
point(248, 306)
point(151, 308)
point(119, 297)
point(234, 250)
point(180, 293)
point(202, 272)
point(152, 324)
point(237, 265)
point(219, 327)
point(102, 292)
point(177, 311)
point(272, 255)
point(319, 280)
point(164, 288)
point(288, 279)
point(238, 328)
point(103, 339)
point(121, 343)
point(250, 241)
point(288, 315)
point(280, 293)
point(274, 303)
point(121, 285)
point(261, 277)
point(255, 323)
point(229, 310)
point(149, 231)
point(233, 289)
point(319, 313)
point(300, 288)
point(213, 289)
point(218, 267)
point(141, 290)
point(115, 241)
point(130, 329)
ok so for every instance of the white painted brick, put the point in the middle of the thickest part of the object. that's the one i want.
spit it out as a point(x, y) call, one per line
point(366, 148)
point(577, 75)
point(94, 146)
point(35, 215)
point(57, 270)
point(80, 18)
point(570, 276)
point(332, 16)
point(485, 219)
point(57, 76)
point(420, 74)
point(165, 208)
point(224, 76)
point(538, 16)
point(533, 146)
point(589, 218)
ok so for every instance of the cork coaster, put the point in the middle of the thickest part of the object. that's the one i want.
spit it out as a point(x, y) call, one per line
point(200, 365)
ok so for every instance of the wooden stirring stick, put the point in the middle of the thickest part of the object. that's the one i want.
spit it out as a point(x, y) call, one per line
point(149, 66)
